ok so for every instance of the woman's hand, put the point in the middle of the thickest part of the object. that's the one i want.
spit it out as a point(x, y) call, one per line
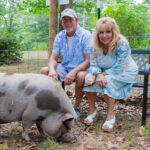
point(90, 80)
point(101, 81)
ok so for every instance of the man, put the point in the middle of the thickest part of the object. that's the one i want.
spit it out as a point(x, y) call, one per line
point(72, 44)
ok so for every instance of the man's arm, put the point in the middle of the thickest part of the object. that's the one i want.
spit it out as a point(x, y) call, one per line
point(82, 67)
point(52, 66)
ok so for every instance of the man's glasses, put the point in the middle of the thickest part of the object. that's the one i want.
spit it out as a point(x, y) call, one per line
point(67, 20)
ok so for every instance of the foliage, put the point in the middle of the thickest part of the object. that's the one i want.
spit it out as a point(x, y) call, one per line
point(125, 12)
point(29, 20)
point(51, 144)
point(10, 51)
point(127, 17)
point(147, 129)
point(34, 6)
point(9, 44)
point(131, 139)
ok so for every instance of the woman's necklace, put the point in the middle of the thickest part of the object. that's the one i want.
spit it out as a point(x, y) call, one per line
point(105, 50)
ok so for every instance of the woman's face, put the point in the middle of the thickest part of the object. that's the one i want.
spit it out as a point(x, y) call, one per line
point(105, 36)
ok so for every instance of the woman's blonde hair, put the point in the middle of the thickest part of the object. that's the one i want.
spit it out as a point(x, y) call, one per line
point(110, 24)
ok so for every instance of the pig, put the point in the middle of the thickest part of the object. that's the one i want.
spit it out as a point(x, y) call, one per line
point(35, 98)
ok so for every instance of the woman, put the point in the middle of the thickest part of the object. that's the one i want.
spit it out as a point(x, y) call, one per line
point(112, 70)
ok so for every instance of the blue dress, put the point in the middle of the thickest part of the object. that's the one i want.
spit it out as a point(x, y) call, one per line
point(121, 71)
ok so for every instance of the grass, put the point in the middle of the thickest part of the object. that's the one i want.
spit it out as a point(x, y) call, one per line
point(51, 144)
point(131, 139)
point(125, 135)
point(147, 129)
point(35, 54)
point(32, 62)
point(127, 125)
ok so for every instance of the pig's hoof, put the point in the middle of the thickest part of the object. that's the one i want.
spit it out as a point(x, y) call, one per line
point(26, 137)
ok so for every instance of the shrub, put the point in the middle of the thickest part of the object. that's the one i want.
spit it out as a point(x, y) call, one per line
point(10, 51)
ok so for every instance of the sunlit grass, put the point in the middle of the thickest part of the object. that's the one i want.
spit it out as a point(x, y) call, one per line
point(35, 54)
point(32, 61)
point(147, 129)
point(51, 144)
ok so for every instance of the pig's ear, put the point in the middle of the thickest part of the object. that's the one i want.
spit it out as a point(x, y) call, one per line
point(68, 120)
point(67, 117)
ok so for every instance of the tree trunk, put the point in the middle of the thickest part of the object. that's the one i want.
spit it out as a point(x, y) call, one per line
point(52, 24)
point(62, 7)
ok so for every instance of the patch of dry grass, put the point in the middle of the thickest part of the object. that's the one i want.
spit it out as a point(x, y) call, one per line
point(32, 62)
point(128, 133)
point(125, 136)
point(36, 54)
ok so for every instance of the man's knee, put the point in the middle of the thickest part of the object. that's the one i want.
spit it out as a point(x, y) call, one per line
point(44, 71)
point(80, 77)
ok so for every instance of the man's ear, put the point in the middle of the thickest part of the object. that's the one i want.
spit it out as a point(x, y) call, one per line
point(77, 20)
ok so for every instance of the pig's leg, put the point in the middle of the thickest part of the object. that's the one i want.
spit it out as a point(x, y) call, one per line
point(27, 122)
point(38, 124)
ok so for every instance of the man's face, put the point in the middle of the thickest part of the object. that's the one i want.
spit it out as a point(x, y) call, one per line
point(69, 24)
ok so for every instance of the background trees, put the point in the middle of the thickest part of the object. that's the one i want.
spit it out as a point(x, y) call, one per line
point(27, 21)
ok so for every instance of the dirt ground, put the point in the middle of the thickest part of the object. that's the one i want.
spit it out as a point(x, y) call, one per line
point(127, 135)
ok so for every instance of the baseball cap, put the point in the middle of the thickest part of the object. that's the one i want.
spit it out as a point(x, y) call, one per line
point(68, 12)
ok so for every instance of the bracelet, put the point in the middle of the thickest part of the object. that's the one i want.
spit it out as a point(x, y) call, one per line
point(96, 73)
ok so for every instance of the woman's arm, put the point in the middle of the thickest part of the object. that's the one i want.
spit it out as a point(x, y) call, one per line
point(93, 63)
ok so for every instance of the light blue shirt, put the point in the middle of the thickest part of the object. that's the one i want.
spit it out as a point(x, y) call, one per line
point(81, 46)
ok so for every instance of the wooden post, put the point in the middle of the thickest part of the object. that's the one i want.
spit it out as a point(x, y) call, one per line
point(52, 24)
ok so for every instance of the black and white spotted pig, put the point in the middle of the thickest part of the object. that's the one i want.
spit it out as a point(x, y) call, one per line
point(35, 98)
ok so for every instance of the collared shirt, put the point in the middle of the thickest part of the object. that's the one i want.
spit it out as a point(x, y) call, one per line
point(81, 46)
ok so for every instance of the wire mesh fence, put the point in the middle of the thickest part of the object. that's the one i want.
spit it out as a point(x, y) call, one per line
point(33, 58)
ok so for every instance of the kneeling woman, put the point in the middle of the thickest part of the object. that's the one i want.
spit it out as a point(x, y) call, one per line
point(112, 70)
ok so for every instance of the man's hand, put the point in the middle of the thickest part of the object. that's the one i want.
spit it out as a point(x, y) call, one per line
point(53, 74)
point(91, 80)
point(69, 77)
point(101, 81)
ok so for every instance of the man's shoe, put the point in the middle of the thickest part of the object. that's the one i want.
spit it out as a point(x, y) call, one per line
point(77, 110)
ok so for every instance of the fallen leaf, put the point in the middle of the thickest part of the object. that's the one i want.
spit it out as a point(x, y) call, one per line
point(4, 146)
point(119, 126)
point(148, 112)
point(120, 139)
point(142, 143)
point(110, 145)
point(89, 147)
point(141, 131)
